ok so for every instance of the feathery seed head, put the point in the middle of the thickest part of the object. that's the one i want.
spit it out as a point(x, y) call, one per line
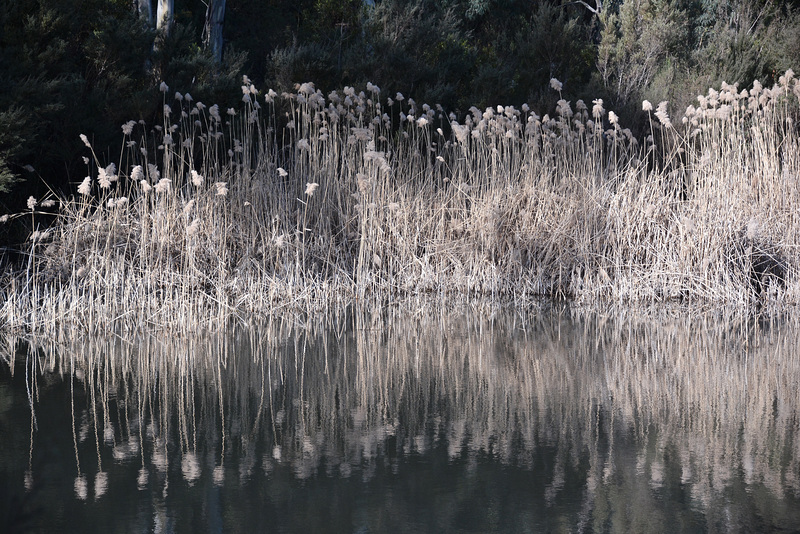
point(31, 203)
point(194, 228)
point(311, 188)
point(164, 185)
point(102, 179)
point(555, 84)
point(117, 203)
point(661, 114)
point(85, 188)
point(85, 141)
point(163, 87)
point(214, 112)
point(282, 172)
point(363, 182)
point(563, 108)
point(647, 106)
point(752, 229)
point(187, 209)
point(597, 108)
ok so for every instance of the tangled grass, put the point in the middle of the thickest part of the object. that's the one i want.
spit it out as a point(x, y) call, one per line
point(299, 202)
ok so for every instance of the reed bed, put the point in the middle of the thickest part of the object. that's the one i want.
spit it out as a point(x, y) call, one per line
point(303, 201)
point(630, 406)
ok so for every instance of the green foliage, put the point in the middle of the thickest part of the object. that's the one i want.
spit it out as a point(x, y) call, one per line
point(750, 40)
point(458, 53)
point(87, 67)
point(637, 40)
point(517, 67)
point(15, 128)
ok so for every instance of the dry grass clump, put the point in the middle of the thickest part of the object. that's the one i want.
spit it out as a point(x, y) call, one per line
point(303, 200)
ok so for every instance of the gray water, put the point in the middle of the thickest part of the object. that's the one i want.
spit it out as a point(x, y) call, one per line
point(553, 421)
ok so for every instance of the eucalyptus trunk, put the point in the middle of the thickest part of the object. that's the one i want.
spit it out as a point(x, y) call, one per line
point(215, 16)
point(166, 8)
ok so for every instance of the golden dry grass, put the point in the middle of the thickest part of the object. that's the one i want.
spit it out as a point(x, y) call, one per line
point(306, 202)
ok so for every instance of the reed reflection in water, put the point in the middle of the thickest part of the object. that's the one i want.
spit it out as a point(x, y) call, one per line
point(378, 423)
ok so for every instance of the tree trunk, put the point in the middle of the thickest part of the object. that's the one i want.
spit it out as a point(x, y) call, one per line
point(164, 15)
point(145, 9)
point(215, 15)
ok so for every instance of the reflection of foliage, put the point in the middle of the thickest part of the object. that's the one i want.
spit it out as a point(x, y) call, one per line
point(623, 414)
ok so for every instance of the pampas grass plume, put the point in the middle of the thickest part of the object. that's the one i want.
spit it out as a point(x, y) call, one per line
point(164, 185)
point(85, 188)
point(597, 108)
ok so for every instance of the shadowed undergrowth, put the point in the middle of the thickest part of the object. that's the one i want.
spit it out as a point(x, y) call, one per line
point(299, 202)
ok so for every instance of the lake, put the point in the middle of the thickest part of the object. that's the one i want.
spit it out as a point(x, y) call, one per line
point(552, 420)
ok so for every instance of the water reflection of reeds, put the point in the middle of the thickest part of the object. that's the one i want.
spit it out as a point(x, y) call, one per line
point(702, 403)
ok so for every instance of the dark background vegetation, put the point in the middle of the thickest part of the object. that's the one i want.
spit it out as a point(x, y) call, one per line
point(87, 66)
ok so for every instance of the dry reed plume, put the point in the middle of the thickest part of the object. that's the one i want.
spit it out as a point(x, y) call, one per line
point(300, 202)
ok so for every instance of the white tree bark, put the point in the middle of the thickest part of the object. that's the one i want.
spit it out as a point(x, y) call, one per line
point(215, 16)
point(164, 15)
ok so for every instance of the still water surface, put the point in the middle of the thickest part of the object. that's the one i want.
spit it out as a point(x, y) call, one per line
point(551, 422)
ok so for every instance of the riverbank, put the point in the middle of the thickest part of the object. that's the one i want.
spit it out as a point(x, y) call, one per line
point(303, 201)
